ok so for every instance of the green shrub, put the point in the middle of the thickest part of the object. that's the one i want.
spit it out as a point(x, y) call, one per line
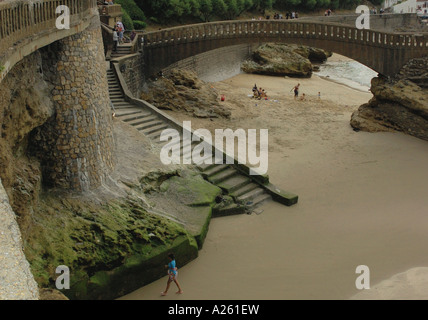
point(127, 21)
point(139, 25)
point(132, 9)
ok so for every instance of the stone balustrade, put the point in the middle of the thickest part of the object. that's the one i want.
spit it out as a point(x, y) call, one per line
point(23, 22)
point(273, 29)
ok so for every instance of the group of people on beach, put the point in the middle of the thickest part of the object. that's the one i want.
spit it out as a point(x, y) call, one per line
point(259, 93)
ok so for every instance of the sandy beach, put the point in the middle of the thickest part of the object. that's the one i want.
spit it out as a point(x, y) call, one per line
point(362, 201)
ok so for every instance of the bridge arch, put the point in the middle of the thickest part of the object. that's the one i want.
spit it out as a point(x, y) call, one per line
point(383, 52)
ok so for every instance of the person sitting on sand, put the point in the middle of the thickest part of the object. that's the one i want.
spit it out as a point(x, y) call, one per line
point(303, 97)
point(258, 94)
point(263, 94)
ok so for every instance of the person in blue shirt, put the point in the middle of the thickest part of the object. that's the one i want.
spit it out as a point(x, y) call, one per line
point(172, 275)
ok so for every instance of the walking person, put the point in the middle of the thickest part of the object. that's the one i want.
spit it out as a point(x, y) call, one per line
point(296, 90)
point(172, 275)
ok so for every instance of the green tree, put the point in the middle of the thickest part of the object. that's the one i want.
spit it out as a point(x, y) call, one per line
point(127, 21)
point(206, 9)
point(262, 5)
point(133, 10)
point(220, 8)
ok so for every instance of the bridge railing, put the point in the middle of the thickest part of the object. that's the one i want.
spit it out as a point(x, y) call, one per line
point(24, 19)
point(274, 29)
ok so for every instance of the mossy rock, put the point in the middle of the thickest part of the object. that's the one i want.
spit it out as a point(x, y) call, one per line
point(101, 244)
point(192, 189)
point(137, 271)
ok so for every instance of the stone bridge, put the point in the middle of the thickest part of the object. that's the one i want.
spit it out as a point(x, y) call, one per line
point(381, 51)
point(26, 26)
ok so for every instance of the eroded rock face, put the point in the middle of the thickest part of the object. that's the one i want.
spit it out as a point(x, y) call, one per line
point(398, 105)
point(284, 60)
point(182, 90)
point(24, 106)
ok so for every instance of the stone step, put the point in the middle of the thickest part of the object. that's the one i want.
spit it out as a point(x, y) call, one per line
point(127, 112)
point(221, 176)
point(137, 122)
point(204, 167)
point(119, 101)
point(244, 189)
point(138, 116)
point(216, 169)
point(149, 124)
point(234, 183)
point(185, 144)
point(156, 135)
point(154, 129)
point(123, 106)
point(258, 200)
point(231, 209)
point(250, 195)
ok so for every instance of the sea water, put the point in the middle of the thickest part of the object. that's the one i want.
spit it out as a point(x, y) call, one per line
point(347, 72)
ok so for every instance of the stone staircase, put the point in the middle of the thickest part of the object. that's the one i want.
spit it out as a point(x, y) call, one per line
point(240, 193)
point(122, 50)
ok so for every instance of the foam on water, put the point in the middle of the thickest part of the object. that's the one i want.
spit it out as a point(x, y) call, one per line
point(350, 73)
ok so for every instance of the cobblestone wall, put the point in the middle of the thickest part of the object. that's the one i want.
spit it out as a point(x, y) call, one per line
point(76, 144)
point(132, 70)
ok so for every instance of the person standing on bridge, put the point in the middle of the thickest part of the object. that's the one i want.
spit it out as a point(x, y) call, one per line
point(115, 39)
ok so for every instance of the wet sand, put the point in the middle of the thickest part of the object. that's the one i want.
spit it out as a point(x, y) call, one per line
point(362, 201)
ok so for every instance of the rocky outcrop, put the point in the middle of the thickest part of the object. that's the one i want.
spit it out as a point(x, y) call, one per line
point(397, 105)
point(416, 70)
point(284, 60)
point(181, 90)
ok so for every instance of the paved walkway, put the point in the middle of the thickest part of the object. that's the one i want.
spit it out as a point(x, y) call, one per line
point(16, 279)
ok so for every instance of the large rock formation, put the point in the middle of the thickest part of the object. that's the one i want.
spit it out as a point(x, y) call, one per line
point(182, 90)
point(284, 60)
point(400, 104)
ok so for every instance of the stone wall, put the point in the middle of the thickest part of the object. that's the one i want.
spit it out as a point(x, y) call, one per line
point(76, 145)
point(132, 70)
point(218, 64)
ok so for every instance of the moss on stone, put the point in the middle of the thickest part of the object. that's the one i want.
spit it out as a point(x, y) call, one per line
point(101, 244)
